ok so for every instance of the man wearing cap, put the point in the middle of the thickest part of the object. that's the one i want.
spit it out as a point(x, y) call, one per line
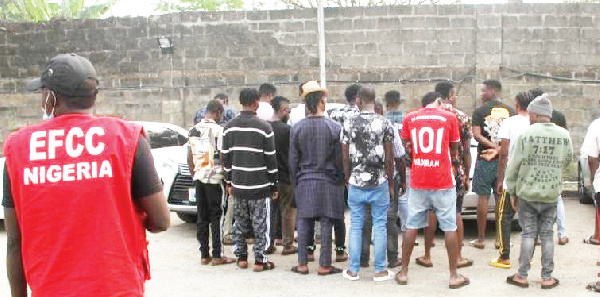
point(79, 193)
point(534, 179)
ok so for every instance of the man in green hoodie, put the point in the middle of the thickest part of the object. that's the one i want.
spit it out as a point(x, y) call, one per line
point(534, 179)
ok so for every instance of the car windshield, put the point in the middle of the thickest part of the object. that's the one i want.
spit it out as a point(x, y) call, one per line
point(161, 135)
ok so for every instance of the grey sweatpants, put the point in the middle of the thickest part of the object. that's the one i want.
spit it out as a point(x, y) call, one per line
point(252, 214)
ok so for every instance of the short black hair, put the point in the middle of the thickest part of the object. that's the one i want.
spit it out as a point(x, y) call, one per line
point(392, 98)
point(524, 98)
point(248, 96)
point(278, 101)
point(351, 92)
point(536, 92)
point(367, 95)
point(378, 105)
point(221, 96)
point(444, 88)
point(267, 89)
point(80, 102)
point(430, 98)
point(494, 84)
point(214, 106)
point(312, 100)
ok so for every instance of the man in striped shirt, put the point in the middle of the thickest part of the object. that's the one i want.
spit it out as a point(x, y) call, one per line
point(250, 166)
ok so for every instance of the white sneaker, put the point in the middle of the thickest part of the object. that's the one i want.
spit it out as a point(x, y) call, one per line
point(390, 275)
point(349, 277)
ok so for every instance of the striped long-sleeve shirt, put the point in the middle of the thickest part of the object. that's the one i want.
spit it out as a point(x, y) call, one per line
point(249, 158)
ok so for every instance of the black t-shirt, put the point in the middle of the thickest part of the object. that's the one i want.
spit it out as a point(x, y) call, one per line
point(559, 119)
point(489, 117)
point(144, 179)
point(282, 146)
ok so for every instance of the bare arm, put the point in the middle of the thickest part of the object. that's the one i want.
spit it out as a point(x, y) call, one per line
point(158, 217)
point(14, 260)
point(346, 161)
point(502, 165)
point(401, 168)
point(388, 148)
point(593, 163)
point(190, 161)
point(481, 139)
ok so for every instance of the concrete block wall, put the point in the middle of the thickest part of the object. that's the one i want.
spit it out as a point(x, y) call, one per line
point(406, 48)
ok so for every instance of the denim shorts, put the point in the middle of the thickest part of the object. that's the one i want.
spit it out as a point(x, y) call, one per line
point(443, 202)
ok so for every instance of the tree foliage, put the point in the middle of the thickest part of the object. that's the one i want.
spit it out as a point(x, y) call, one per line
point(355, 3)
point(194, 5)
point(44, 10)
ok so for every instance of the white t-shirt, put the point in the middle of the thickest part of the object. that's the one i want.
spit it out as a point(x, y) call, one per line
point(510, 129)
point(265, 111)
point(591, 148)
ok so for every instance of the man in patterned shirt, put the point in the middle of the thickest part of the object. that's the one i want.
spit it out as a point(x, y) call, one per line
point(460, 169)
point(228, 114)
point(350, 110)
point(367, 151)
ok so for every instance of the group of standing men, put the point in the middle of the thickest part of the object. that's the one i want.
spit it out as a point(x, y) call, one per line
point(265, 163)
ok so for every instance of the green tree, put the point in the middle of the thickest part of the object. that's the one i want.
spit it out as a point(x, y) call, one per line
point(194, 5)
point(44, 10)
point(358, 3)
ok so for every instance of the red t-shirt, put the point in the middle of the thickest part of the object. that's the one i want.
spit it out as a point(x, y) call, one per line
point(430, 131)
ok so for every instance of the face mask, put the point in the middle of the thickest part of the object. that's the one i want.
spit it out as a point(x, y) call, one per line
point(45, 114)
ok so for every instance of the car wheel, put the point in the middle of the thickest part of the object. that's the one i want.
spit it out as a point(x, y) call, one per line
point(584, 197)
point(188, 218)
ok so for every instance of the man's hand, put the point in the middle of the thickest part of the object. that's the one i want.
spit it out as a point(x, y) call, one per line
point(228, 189)
point(499, 187)
point(489, 154)
point(513, 203)
point(275, 195)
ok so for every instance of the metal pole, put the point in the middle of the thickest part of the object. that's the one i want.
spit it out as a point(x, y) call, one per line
point(321, 32)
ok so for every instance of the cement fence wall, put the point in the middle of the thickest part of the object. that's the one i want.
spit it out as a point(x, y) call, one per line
point(406, 48)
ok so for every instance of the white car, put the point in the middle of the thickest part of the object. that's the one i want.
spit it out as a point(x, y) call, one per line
point(298, 113)
point(169, 149)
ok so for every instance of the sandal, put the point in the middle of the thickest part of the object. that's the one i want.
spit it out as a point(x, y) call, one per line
point(333, 270)
point(590, 240)
point(401, 280)
point(296, 270)
point(553, 285)
point(466, 263)
point(511, 280)
point(563, 240)
point(461, 284)
point(593, 287)
point(420, 261)
point(242, 263)
point(476, 244)
point(259, 267)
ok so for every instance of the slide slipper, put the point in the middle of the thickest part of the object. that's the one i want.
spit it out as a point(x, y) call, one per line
point(461, 284)
point(511, 280)
point(295, 270)
point(553, 285)
point(423, 263)
point(334, 270)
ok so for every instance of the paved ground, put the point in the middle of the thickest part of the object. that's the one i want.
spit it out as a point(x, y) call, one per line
point(176, 269)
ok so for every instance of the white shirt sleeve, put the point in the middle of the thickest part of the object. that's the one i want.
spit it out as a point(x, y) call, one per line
point(591, 142)
point(265, 111)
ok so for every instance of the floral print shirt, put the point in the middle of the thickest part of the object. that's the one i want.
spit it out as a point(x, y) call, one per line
point(340, 114)
point(365, 134)
point(464, 123)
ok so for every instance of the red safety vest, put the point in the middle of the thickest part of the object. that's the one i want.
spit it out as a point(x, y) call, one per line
point(81, 233)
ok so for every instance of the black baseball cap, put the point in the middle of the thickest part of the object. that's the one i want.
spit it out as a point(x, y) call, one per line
point(66, 73)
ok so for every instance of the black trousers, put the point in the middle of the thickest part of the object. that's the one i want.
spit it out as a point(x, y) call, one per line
point(210, 204)
point(504, 224)
point(306, 227)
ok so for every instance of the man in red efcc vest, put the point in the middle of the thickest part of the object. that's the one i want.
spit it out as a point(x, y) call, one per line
point(80, 192)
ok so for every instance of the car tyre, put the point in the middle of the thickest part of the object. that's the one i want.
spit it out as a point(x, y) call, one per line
point(584, 196)
point(188, 218)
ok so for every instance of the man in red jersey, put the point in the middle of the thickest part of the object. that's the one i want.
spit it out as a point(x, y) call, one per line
point(430, 134)
point(80, 192)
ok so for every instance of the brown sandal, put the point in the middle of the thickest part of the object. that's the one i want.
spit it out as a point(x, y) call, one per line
point(259, 267)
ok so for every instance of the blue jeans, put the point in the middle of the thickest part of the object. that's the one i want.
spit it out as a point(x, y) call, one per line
point(536, 219)
point(561, 218)
point(379, 199)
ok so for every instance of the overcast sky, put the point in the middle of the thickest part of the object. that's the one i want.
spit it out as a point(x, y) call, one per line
point(146, 7)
